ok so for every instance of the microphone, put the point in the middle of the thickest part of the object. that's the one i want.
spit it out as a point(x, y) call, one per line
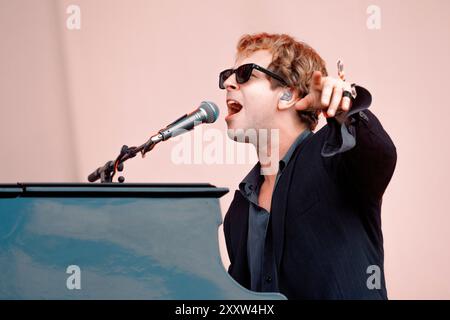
point(207, 112)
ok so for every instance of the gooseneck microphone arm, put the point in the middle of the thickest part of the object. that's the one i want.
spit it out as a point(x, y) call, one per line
point(106, 173)
point(208, 112)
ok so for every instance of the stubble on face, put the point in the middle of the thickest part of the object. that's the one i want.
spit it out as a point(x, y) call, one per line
point(257, 98)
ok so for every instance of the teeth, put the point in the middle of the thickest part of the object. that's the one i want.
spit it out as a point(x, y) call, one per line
point(234, 105)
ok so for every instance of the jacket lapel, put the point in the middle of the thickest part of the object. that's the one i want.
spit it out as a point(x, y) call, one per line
point(241, 270)
point(279, 204)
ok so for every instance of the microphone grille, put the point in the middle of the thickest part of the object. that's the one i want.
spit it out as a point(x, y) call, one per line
point(211, 109)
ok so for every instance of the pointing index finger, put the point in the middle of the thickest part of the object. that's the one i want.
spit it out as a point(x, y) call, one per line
point(317, 80)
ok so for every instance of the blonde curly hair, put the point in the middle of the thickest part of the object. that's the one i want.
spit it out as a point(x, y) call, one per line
point(293, 60)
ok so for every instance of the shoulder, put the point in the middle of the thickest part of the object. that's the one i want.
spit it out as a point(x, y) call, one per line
point(313, 144)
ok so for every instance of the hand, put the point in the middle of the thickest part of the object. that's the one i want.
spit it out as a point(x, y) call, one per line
point(325, 94)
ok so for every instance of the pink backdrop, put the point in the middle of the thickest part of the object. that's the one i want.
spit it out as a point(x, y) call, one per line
point(70, 98)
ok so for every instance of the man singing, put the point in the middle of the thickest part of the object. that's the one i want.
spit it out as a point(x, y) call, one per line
point(312, 228)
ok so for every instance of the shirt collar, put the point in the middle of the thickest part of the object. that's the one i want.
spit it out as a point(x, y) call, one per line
point(253, 179)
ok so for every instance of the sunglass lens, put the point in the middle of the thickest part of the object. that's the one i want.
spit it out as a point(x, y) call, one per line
point(224, 75)
point(243, 73)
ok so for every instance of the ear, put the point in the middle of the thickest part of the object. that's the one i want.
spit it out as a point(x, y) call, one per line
point(287, 99)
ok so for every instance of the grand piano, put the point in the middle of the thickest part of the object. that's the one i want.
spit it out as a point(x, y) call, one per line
point(113, 241)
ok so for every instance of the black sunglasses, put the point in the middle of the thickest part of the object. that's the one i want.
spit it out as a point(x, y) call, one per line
point(243, 74)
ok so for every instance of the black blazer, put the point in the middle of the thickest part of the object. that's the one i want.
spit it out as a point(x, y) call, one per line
point(325, 227)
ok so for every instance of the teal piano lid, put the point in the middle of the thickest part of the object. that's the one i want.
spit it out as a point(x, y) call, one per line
point(197, 190)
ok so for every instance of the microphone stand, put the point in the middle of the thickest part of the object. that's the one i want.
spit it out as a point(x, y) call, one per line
point(106, 172)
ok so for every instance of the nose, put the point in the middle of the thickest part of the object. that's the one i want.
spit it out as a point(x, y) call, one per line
point(231, 84)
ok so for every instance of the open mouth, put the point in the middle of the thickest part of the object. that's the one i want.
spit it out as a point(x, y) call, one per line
point(233, 107)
